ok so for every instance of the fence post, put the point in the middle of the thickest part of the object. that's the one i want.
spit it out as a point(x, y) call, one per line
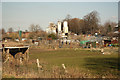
point(102, 51)
point(64, 68)
point(38, 65)
point(28, 54)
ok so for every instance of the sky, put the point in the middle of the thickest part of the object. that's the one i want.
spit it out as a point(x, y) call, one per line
point(20, 15)
point(119, 11)
point(59, 0)
point(0, 14)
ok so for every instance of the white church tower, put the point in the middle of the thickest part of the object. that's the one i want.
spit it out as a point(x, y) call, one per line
point(65, 27)
point(59, 28)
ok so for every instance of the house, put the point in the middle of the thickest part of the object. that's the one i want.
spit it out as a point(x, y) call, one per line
point(52, 28)
point(61, 29)
point(116, 29)
point(25, 34)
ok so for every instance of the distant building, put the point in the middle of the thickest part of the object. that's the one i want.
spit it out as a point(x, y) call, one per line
point(61, 29)
point(65, 28)
point(25, 34)
point(15, 35)
point(116, 29)
point(51, 29)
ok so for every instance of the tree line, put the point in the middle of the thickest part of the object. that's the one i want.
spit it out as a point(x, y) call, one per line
point(90, 24)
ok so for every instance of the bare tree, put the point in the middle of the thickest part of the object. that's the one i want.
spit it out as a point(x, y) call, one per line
point(68, 17)
point(10, 29)
point(108, 28)
point(91, 21)
point(34, 28)
point(76, 25)
point(89, 24)
point(2, 31)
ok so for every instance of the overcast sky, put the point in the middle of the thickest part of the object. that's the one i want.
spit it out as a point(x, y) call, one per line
point(23, 14)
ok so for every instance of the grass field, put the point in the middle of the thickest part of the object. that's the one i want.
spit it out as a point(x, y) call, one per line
point(80, 63)
point(91, 63)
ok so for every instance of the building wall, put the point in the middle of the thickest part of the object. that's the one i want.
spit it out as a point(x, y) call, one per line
point(65, 28)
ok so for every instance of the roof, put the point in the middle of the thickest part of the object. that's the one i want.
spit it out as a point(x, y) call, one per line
point(17, 47)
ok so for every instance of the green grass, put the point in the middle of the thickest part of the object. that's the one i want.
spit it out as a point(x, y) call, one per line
point(94, 61)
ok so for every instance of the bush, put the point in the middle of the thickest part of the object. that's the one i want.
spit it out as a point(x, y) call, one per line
point(53, 36)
